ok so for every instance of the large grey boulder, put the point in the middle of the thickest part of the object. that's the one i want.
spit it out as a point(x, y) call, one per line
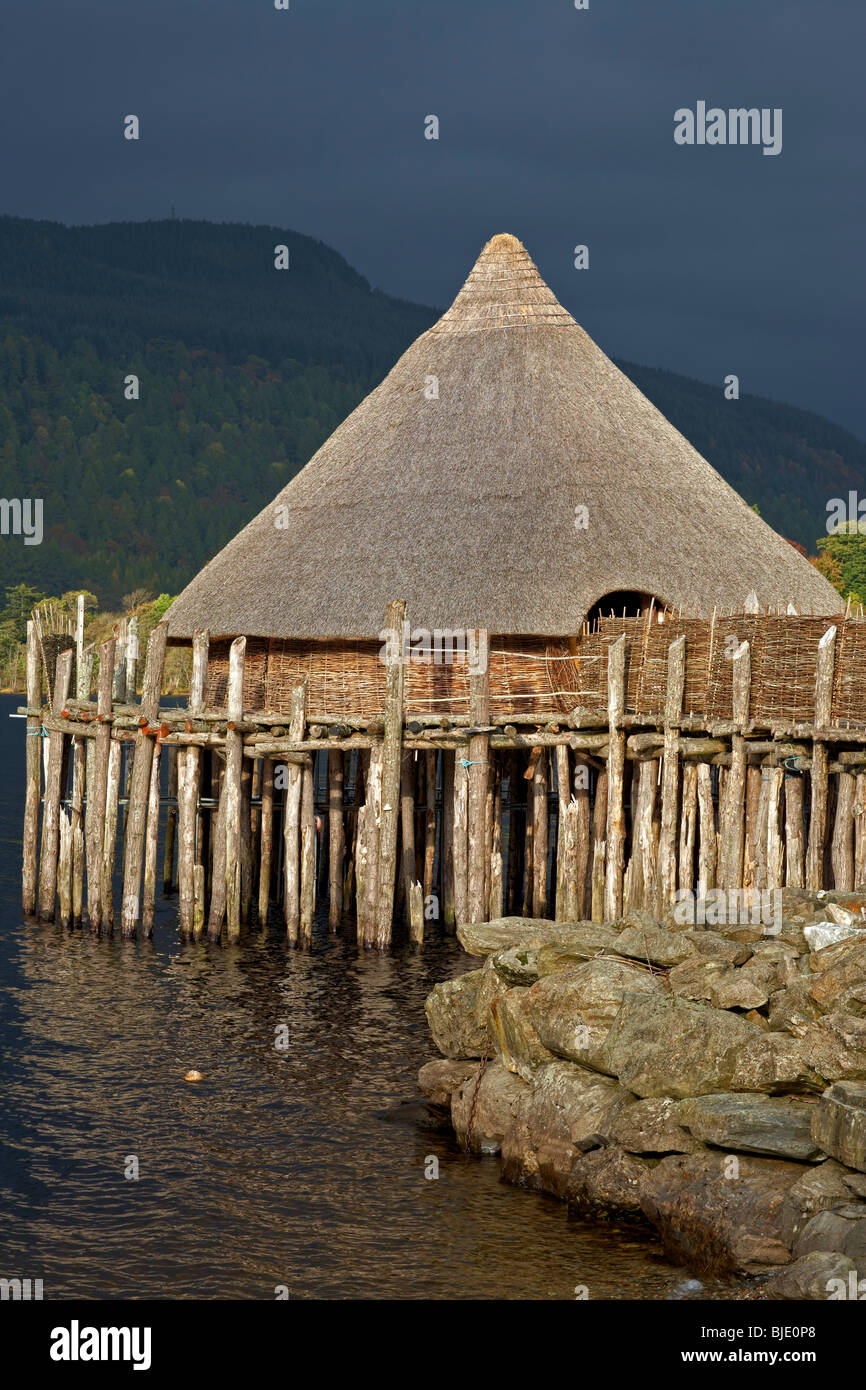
point(822, 1276)
point(572, 1011)
point(486, 938)
point(778, 1127)
point(654, 945)
point(842, 1229)
point(517, 966)
point(652, 1127)
point(457, 1012)
point(662, 1046)
point(772, 1063)
point(839, 983)
point(839, 1123)
point(835, 1046)
point(720, 1212)
point(793, 1009)
point(822, 1186)
point(723, 986)
point(514, 1035)
point(608, 1184)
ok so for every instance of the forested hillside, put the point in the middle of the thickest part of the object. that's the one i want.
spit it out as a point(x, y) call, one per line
point(243, 372)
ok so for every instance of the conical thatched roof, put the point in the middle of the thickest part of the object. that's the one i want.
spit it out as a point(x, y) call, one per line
point(464, 504)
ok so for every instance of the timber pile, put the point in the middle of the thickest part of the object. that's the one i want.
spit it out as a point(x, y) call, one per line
point(453, 816)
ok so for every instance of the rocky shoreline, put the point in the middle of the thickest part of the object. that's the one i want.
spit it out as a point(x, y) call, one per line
point(709, 1083)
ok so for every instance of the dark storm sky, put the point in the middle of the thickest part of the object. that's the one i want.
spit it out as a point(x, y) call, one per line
point(556, 124)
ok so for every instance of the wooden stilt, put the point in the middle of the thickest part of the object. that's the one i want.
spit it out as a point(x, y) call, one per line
point(429, 823)
point(53, 794)
point(859, 830)
point(795, 871)
point(292, 822)
point(461, 838)
point(198, 901)
point(688, 828)
point(131, 658)
point(495, 906)
point(395, 616)
point(189, 774)
point(479, 744)
point(140, 780)
point(823, 705)
point(219, 858)
point(168, 878)
point(667, 851)
point(266, 834)
point(447, 854)
point(599, 827)
point(775, 844)
point(33, 761)
point(751, 851)
point(732, 827)
point(109, 840)
point(308, 857)
point(643, 860)
point(843, 835)
point(64, 873)
point(151, 845)
point(369, 854)
point(336, 843)
point(414, 900)
point(615, 832)
point(83, 678)
point(232, 786)
point(539, 835)
point(246, 845)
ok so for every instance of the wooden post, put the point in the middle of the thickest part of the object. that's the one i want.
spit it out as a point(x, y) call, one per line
point(392, 739)
point(33, 762)
point(688, 826)
point(565, 866)
point(292, 821)
point(599, 826)
point(131, 658)
point(707, 842)
point(859, 830)
point(495, 906)
point(775, 847)
point(172, 790)
point(198, 902)
point(823, 706)
point(64, 875)
point(414, 899)
point(751, 851)
point(109, 837)
point(615, 768)
point(795, 871)
point(539, 835)
point(139, 784)
point(461, 838)
point(643, 857)
point(151, 844)
point(266, 836)
point(430, 822)
point(479, 744)
point(188, 777)
point(843, 835)
point(529, 831)
point(120, 662)
point(83, 676)
point(337, 840)
point(667, 854)
point(53, 795)
point(218, 883)
point(232, 785)
point(447, 852)
point(572, 842)
point(762, 834)
point(732, 829)
point(308, 857)
point(368, 849)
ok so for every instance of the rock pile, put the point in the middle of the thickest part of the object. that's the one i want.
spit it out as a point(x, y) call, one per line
point(711, 1082)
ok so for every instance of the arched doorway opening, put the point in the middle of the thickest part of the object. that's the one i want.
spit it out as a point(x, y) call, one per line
point(623, 603)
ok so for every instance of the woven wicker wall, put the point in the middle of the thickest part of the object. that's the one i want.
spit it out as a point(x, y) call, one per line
point(530, 674)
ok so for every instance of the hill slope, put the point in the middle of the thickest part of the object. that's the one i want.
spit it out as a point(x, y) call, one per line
point(244, 372)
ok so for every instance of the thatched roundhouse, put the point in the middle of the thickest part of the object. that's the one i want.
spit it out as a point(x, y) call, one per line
point(504, 476)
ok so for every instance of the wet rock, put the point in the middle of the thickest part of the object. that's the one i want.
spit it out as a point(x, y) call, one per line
point(440, 1078)
point(487, 938)
point(777, 1127)
point(500, 1095)
point(720, 1212)
point(565, 1109)
point(608, 1184)
point(820, 1187)
point(514, 1035)
point(457, 1012)
point(572, 1011)
point(839, 1123)
point(818, 1276)
point(651, 1127)
point(654, 945)
point(835, 1046)
point(664, 1046)
point(771, 1063)
point(842, 1229)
